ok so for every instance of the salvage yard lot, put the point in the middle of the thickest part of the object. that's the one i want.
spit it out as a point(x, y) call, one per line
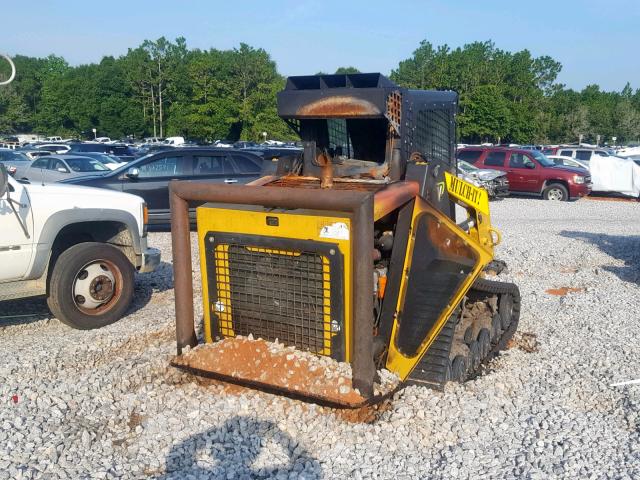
point(105, 404)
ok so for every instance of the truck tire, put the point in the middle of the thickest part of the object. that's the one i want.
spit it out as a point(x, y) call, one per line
point(91, 285)
point(556, 191)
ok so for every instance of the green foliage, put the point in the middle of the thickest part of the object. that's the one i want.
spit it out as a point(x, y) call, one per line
point(513, 97)
point(13, 110)
point(163, 88)
point(160, 88)
point(346, 70)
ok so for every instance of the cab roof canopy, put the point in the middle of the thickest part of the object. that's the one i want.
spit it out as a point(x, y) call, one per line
point(366, 116)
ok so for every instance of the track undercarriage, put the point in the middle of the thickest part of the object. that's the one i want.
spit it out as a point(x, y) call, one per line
point(477, 331)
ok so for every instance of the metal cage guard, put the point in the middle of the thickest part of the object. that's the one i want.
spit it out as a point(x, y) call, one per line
point(360, 205)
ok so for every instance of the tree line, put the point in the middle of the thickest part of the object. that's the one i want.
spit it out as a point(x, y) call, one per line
point(163, 88)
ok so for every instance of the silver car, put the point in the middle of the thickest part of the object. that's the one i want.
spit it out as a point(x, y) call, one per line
point(54, 168)
point(13, 160)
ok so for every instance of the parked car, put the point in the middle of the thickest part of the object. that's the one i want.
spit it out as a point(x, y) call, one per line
point(110, 161)
point(78, 246)
point(562, 161)
point(630, 152)
point(615, 174)
point(13, 160)
point(34, 153)
point(54, 168)
point(123, 152)
point(149, 176)
point(530, 172)
point(150, 148)
point(174, 141)
point(583, 154)
point(53, 147)
point(8, 155)
point(495, 182)
point(243, 144)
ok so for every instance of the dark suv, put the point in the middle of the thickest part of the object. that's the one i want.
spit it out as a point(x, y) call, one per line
point(123, 152)
point(149, 176)
point(530, 172)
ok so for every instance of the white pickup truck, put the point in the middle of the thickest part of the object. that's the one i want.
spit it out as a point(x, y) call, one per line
point(79, 246)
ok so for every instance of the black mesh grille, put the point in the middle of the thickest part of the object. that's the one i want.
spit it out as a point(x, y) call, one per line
point(274, 294)
point(434, 134)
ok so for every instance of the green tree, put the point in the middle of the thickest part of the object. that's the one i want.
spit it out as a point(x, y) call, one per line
point(162, 87)
point(346, 70)
point(486, 78)
point(14, 112)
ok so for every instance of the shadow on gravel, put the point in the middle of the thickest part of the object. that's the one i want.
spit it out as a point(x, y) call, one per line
point(34, 309)
point(626, 248)
point(234, 450)
point(160, 280)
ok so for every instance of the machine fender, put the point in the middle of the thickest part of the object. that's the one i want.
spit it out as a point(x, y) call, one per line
point(441, 263)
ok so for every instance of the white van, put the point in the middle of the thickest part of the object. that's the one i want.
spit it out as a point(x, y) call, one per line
point(174, 141)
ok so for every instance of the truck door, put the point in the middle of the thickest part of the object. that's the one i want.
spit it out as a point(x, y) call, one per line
point(525, 173)
point(152, 182)
point(16, 249)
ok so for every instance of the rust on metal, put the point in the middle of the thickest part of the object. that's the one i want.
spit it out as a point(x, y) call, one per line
point(326, 170)
point(312, 183)
point(266, 365)
point(417, 157)
point(356, 203)
point(393, 197)
point(379, 171)
point(263, 180)
point(394, 110)
point(341, 106)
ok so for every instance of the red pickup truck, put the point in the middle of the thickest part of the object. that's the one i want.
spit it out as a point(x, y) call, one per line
point(530, 172)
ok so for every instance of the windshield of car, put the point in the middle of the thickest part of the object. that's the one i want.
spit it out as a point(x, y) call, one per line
point(467, 167)
point(86, 165)
point(113, 159)
point(104, 158)
point(541, 158)
point(127, 166)
point(19, 156)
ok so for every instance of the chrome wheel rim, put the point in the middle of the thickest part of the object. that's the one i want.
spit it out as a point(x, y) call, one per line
point(555, 194)
point(96, 287)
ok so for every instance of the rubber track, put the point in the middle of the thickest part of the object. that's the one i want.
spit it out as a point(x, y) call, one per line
point(433, 370)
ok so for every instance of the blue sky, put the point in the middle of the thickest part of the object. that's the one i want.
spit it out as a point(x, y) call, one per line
point(596, 41)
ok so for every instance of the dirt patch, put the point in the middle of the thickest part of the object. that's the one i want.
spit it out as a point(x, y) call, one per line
point(272, 365)
point(368, 414)
point(135, 419)
point(611, 199)
point(562, 291)
point(569, 270)
point(527, 342)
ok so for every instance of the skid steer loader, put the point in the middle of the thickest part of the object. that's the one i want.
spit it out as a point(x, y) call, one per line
point(348, 252)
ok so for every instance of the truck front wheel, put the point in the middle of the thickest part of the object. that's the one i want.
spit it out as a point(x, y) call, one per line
point(556, 191)
point(91, 285)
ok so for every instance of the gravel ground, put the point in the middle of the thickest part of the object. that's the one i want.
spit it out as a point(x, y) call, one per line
point(104, 404)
